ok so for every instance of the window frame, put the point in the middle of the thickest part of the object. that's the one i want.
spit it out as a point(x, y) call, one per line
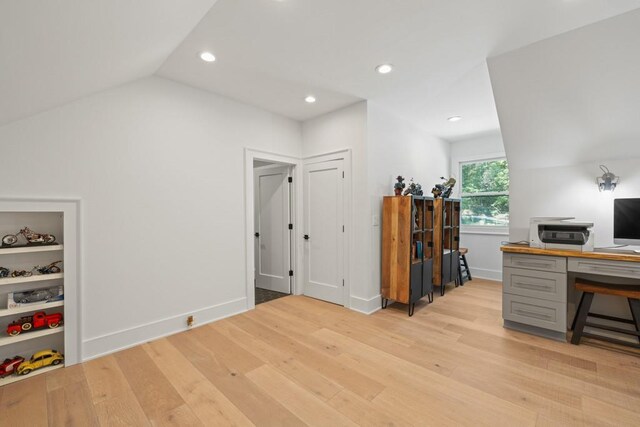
point(482, 229)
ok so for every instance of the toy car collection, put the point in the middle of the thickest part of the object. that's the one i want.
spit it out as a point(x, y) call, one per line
point(31, 236)
point(52, 268)
point(39, 320)
point(9, 366)
point(41, 359)
point(48, 269)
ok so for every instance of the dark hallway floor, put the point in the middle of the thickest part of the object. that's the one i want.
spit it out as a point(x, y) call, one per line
point(265, 295)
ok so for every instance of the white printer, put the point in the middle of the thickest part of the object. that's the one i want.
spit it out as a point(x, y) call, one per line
point(561, 233)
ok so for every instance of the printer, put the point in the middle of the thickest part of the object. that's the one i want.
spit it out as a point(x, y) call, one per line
point(561, 233)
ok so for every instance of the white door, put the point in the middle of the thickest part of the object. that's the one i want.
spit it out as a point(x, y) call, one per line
point(272, 214)
point(324, 231)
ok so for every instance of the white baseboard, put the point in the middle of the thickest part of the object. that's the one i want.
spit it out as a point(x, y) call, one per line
point(366, 306)
point(482, 273)
point(115, 341)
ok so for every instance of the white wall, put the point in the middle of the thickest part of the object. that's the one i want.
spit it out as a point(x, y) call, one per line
point(573, 98)
point(347, 129)
point(397, 147)
point(159, 169)
point(484, 257)
point(571, 191)
point(566, 105)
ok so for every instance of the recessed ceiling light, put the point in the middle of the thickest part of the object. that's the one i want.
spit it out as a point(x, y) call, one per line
point(207, 57)
point(454, 118)
point(384, 68)
point(310, 99)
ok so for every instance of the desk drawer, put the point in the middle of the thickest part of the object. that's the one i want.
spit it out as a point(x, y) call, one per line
point(536, 262)
point(536, 284)
point(544, 314)
point(605, 267)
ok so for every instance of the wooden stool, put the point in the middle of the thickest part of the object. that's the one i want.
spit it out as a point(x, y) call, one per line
point(464, 273)
point(589, 289)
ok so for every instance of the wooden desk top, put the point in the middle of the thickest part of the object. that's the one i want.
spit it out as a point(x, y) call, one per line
point(523, 249)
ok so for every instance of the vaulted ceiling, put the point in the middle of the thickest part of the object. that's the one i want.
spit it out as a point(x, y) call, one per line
point(272, 53)
point(572, 99)
point(53, 52)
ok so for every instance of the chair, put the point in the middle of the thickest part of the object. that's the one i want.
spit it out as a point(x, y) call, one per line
point(589, 289)
point(464, 273)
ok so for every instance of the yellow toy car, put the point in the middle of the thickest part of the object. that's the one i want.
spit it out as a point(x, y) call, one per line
point(39, 360)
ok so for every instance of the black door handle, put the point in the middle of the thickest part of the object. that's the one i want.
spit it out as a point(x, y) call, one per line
point(257, 234)
point(306, 237)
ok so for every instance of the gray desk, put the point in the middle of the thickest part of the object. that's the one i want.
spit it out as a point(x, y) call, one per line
point(538, 294)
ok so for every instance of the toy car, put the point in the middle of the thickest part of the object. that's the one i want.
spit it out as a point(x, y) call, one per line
point(8, 367)
point(37, 295)
point(37, 321)
point(41, 359)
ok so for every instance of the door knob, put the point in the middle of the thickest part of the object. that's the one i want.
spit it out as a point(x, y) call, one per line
point(257, 234)
point(306, 237)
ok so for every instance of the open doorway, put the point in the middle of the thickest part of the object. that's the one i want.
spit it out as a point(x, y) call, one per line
point(273, 225)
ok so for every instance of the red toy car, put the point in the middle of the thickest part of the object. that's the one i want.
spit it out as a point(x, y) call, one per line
point(37, 321)
point(9, 366)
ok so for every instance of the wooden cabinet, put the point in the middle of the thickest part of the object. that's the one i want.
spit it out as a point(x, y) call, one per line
point(407, 249)
point(420, 247)
point(446, 259)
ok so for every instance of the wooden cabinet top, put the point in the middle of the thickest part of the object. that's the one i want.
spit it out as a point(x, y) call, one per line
point(524, 249)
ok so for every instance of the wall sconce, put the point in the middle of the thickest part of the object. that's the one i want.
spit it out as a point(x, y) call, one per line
point(608, 181)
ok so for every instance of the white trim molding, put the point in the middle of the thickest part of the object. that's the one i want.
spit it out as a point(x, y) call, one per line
point(366, 306)
point(130, 337)
point(483, 273)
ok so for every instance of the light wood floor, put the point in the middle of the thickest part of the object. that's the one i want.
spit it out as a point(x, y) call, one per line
point(297, 361)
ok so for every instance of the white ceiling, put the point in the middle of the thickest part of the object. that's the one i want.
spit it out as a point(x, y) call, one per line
point(53, 52)
point(574, 98)
point(273, 53)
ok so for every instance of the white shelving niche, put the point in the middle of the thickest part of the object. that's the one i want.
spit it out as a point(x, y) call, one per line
point(21, 256)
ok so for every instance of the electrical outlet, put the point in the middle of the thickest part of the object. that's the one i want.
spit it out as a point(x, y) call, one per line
point(190, 321)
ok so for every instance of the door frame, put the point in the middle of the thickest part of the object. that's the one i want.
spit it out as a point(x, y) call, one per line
point(348, 242)
point(290, 218)
point(296, 246)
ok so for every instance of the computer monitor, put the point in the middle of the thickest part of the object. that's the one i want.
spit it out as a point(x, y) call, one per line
point(626, 222)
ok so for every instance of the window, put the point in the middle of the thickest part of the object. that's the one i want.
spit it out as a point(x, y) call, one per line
point(485, 193)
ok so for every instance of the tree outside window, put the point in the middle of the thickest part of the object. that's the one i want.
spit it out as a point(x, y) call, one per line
point(485, 193)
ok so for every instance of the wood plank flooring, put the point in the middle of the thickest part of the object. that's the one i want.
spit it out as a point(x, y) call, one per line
point(298, 361)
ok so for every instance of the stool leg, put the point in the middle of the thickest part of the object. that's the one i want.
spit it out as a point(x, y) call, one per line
point(575, 316)
point(634, 305)
point(466, 267)
point(581, 317)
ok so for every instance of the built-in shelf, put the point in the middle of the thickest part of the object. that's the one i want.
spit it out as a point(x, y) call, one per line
point(30, 249)
point(34, 278)
point(25, 336)
point(14, 378)
point(29, 308)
